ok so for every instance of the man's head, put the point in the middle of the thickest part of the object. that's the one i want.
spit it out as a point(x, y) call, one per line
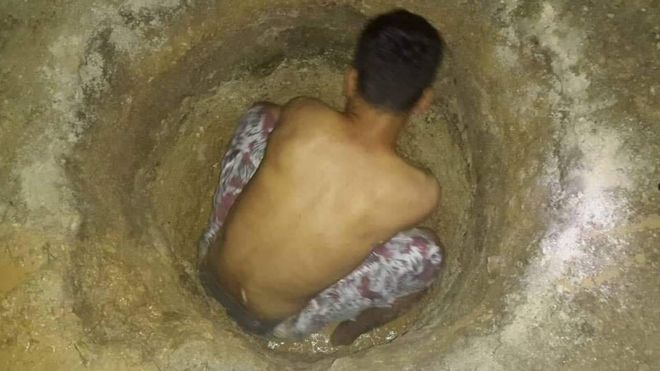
point(397, 57)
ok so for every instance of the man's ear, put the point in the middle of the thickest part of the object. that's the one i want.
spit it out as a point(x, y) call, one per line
point(424, 102)
point(350, 82)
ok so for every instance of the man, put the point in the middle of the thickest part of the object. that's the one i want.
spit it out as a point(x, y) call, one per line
point(311, 225)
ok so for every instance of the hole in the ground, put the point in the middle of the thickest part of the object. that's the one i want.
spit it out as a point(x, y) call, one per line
point(159, 146)
point(147, 170)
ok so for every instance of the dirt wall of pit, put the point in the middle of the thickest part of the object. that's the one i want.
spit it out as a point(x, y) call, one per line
point(545, 135)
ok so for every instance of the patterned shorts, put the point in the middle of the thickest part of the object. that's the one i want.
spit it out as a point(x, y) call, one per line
point(405, 264)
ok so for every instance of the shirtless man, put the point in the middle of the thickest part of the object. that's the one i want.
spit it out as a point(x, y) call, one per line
point(308, 231)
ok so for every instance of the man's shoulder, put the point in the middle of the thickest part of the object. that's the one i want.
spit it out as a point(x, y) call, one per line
point(306, 113)
point(305, 104)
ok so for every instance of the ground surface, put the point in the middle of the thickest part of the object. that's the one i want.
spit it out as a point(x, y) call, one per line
point(545, 136)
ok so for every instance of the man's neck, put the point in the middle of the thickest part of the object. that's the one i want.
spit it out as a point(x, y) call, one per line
point(375, 126)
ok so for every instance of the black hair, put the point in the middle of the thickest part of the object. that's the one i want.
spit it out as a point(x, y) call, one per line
point(397, 58)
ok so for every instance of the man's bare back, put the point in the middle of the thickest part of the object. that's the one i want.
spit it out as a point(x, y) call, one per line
point(323, 196)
